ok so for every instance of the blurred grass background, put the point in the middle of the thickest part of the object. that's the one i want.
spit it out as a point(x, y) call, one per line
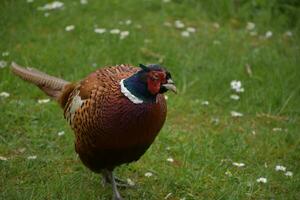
point(204, 140)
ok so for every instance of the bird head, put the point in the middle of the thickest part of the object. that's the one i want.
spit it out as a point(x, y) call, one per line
point(157, 78)
point(147, 83)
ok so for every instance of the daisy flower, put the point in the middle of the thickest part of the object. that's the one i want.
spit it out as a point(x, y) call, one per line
point(262, 180)
point(70, 28)
point(148, 174)
point(4, 94)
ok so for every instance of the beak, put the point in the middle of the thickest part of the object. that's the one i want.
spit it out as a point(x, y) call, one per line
point(170, 86)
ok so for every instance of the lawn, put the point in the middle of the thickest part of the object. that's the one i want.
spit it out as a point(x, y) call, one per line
point(212, 146)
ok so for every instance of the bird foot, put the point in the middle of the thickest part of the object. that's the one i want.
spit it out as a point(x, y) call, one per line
point(124, 183)
point(119, 182)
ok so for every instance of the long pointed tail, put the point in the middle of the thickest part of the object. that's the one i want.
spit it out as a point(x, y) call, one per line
point(51, 85)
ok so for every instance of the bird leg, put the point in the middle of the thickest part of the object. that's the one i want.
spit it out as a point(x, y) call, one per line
point(119, 182)
point(109, 178)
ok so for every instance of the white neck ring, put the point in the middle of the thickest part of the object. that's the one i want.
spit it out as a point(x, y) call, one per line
point(129, 95)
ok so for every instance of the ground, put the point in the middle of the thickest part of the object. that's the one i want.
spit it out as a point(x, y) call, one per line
point(203, 151)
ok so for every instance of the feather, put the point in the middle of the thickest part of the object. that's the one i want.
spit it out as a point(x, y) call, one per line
point(145, 68)
point(51, 85)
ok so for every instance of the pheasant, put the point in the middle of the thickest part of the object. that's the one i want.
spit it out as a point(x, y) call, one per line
point(115, 112)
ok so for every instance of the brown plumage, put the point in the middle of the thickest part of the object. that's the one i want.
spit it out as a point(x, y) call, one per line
point(114, 121)
point(51, 85)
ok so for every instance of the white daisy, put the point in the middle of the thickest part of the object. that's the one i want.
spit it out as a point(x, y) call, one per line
point(276, 129)
point(3, 63)
point(191, 29)
point(238, 164)
point(4, 94)
point(289, 173)
point(236, 86)
point(70, 28)
point(235, 97)
point(185, 34)
point(43, 101)
point(280, 168)
point(128, 22)
point(236, 114)
point(115, 31)
point(124, 34)
point(268, 34)
point(3, 158)
point(205, 103)
point(148, 174)
point(250, 26)
point(52, 6)
point(262, 180)
point(170, 159)
point(83, 2)
point(60, 133)
point(100, 30)
point(179, 24)
point(130, 182)
point(32, 157)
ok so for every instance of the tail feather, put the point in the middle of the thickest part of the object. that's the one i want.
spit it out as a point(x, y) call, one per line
point(51, 85)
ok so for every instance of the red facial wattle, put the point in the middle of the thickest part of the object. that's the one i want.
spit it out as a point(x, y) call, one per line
point(154, 81)
point(153, 86)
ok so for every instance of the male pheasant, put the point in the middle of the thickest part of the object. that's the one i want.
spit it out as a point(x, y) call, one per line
point(116, 112)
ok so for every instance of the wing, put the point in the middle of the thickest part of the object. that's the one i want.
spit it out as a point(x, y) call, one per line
point(84, 108)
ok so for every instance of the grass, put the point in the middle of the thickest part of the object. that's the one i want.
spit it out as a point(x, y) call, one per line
point(203, 140)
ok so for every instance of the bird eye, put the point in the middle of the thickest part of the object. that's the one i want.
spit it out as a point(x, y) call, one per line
point(154, 78)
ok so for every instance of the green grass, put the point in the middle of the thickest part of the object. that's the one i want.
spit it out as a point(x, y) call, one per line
point(202, 65)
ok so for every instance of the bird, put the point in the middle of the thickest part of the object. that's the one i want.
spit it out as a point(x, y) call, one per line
point(115, 112)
